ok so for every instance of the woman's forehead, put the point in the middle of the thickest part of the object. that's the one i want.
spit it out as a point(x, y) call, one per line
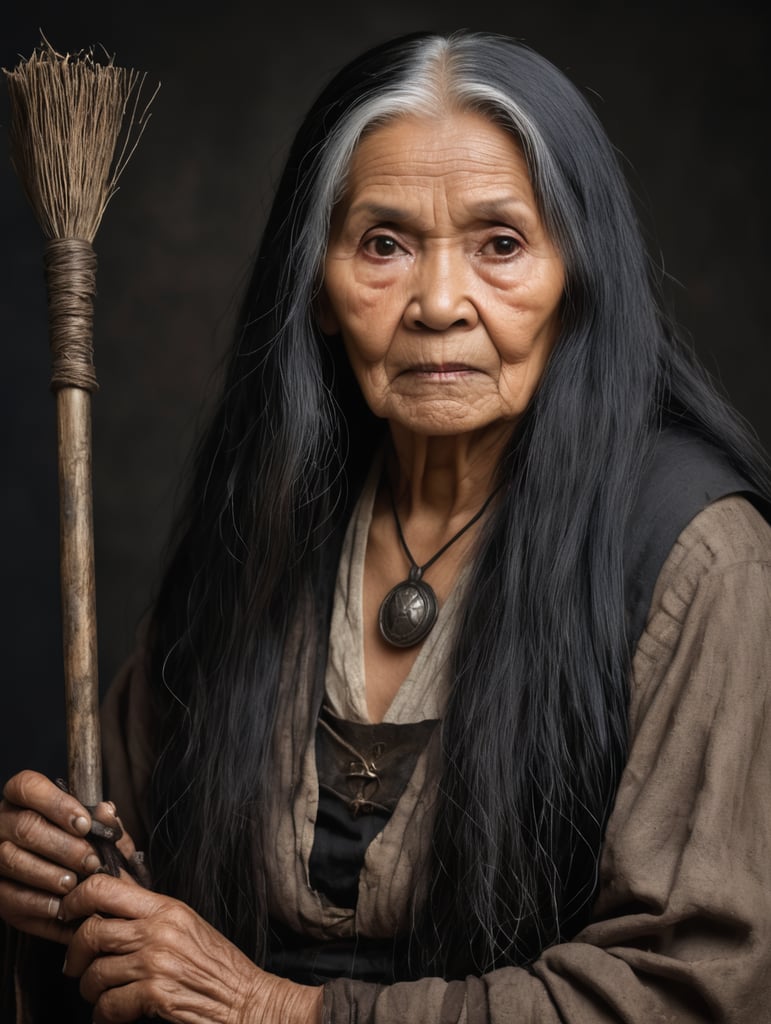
point(443, 137)
point(410, 154)
point(468, 160)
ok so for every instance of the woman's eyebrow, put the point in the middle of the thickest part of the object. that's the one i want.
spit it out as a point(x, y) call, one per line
point(494, 210)
point(379, 212)
point(500, 209)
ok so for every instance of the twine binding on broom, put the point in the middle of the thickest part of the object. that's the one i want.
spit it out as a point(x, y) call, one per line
point(70, 116)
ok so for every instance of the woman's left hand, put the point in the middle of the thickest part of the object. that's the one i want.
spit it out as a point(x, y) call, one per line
point(153, 956)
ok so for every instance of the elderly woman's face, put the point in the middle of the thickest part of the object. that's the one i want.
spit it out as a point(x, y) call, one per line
point(440, 276)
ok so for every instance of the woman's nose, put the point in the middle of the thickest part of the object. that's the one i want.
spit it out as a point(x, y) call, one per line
point(441, 296)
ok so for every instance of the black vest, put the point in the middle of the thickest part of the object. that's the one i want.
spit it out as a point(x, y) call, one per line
point(682, 477)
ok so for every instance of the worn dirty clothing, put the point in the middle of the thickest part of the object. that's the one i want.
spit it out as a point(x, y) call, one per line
point(681, 928)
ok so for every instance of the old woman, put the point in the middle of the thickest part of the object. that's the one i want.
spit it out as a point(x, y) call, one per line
point(451, 705)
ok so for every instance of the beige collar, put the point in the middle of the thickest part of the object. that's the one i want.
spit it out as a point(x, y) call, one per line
point(423, 694)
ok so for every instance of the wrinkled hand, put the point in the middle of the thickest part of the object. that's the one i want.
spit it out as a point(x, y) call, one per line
point(42, 852)
point(154, 956)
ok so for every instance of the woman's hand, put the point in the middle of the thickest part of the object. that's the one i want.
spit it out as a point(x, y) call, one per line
point(42, 852)
point(154, 956)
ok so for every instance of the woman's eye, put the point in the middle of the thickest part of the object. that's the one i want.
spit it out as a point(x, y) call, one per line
point(383, 246)
point(502, 245)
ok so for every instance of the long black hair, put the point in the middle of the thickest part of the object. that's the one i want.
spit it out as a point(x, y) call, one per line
point(534, 736)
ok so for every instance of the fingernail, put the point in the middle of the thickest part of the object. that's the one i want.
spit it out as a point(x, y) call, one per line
point(64, 966)
point(92, 862)
point(81, 824)
point(113, 808)
point(67, 882)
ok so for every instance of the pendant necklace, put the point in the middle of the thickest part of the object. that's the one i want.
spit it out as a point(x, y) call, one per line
point(409, 610)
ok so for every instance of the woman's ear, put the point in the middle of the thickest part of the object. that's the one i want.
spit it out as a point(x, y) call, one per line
point(325, 315)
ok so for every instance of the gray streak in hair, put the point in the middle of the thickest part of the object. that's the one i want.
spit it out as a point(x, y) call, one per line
point(440, 79)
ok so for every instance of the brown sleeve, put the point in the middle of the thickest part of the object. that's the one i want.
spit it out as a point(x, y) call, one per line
point(127, 746)
point(682, 925)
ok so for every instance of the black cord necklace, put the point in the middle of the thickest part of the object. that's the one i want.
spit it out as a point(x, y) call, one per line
point(409, 610)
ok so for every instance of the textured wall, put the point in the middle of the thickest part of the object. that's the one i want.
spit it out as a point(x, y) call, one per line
point(684, 95)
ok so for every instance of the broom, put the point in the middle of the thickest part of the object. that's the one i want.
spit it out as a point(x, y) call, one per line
point(74, 125)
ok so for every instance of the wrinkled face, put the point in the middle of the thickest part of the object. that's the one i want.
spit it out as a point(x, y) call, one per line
point(440, 276)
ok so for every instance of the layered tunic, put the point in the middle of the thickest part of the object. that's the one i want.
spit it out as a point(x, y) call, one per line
point(681, 926)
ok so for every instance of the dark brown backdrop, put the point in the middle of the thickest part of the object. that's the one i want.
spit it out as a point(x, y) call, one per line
point(684, 95)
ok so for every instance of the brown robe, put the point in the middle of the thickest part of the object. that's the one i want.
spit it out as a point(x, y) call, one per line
point(681, 929)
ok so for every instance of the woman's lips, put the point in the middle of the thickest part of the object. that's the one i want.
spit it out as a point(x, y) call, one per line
point(440, 370)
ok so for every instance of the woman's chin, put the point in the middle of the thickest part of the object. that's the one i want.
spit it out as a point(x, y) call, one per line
point(447, 417)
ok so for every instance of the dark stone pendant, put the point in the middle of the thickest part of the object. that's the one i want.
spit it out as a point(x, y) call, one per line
point(408, 612)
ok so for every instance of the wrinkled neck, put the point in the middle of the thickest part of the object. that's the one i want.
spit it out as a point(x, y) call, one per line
point(445, 476)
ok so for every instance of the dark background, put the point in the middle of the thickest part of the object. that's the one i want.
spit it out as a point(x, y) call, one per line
point(683, 92)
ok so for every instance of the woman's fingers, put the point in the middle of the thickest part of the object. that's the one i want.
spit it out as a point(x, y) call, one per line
point(37, 816)
point(28, 869)
point(36, 792)
point(157, 957)
point(43, 851)
point(105, 823)
point(94, 950)
point(112, 953)
point(33, 912)
point(153, 955)
point(27, 830)
point(126, 1003)
point(125, 844)
point(118, 897)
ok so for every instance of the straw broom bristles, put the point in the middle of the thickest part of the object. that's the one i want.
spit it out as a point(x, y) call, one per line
point(68, 115)
point(71, 139)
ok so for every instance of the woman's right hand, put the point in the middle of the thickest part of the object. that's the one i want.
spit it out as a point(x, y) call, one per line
point(42, 852)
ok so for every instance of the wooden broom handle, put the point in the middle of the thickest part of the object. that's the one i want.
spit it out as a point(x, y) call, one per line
point(84, 755)
point(78, 594)
point(71, 279)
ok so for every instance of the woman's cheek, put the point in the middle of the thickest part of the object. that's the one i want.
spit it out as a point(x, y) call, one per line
point(372, 379)
point(367, 334)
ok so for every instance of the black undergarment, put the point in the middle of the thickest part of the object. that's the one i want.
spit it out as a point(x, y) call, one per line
point(362, 771)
